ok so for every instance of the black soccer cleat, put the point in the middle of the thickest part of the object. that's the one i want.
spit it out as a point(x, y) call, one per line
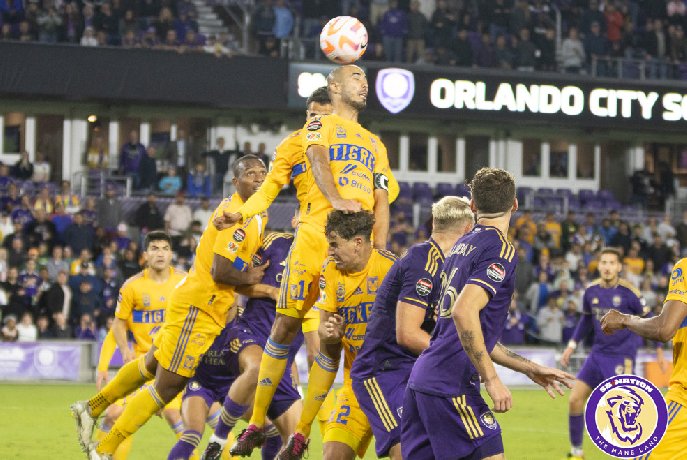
point(249, 439)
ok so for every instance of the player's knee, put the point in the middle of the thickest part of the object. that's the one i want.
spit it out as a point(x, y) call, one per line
point(284, 329)
point(112, 414)
point(151, 361)
point(337, 451)
point(576, 404)
point(251, 371)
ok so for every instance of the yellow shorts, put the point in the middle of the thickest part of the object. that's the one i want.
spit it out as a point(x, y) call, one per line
point(348, 423)
point(674, 442)
point(311, 321)
point(300, 284)
point(186, 334)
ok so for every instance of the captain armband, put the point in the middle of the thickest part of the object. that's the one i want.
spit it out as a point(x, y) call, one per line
point(381, 181)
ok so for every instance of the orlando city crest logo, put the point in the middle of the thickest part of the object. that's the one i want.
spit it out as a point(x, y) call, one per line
point(626, 416)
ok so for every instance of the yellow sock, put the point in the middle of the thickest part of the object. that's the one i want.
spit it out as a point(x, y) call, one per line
point(320, 380)
point(230, 442)
point(131, 376)
point(123, 450)
point(136, 413)
point(272, 369)
point(326, 410)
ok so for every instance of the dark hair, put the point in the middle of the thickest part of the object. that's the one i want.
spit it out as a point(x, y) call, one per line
point(493, 190)
point(157, 235)
point(614, 251)
point(236, 166)
point(320, 95)
point(350, 225)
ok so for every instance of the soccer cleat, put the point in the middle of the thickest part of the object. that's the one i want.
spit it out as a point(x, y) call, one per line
point(85, 423)
point(294, 449)
point(574, 457)
point(94, 455)
point(249, 439)
point(212, 452)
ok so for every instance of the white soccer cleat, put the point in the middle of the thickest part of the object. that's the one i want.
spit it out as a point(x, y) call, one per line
point(85, 423)
point(94, 455)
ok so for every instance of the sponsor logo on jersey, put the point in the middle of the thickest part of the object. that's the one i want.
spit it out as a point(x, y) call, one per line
point(314, 124)
point(257, 260)
point(239, 235)
point(232, 247)
point(323, 282)
point(146, 300)
point(496, 272)
point(626, 416)
point(676, 276)
point(357, 291)
point(340, 132)
point(423, 287)
point(313, 137)
point(617, 300)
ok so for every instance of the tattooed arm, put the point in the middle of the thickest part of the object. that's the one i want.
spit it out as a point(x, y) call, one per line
point(547, 377)
point(465, 313)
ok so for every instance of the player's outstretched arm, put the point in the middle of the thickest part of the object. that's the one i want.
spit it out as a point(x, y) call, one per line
point(465, 313)
point(224, 272)
point(256, 204)
point(119, 330)
point(380, 230)
point(662, 327)
point(107, 349)
point(259, 291)
point(548, 378)
point(319, 161)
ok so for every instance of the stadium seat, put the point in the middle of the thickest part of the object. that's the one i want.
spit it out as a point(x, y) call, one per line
point(545, 191)
point(422, 192)
point(444, 189)
point(462, 190)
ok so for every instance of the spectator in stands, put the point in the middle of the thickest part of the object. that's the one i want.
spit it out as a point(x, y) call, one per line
point(88, 38)
point(659, 253)
point(44, 202)
point(43, 328)
point(110, 291)
point(462, 50)
point(41, 169)
point(67, 198)
point(128, 265)
point(178, 217)
point(393, 27)
point(221, 159)
point(550, 321)
point(514, 331)
point(26, 329)
point(5, 178)
point(29, 279)
point(86, 301)
point(86, 329)
point(98, 155)
point(570, 319)
point(525, 52)
point(18, 301)
point(546, 46)
point(61, 329)
point(597, 48)
point(12, 199)
point(148, 216)
point(58, 298)
point(149, 39)
point(572, 53)
point(23, 169)
point(130, 157)
point(203, 213)
point(9, 330)
point(171, 183)
point(147, 169)
point(198, 182)
point(130, 40)
point(524, 273)
point(538, 293)
point(16, 252)
point(623, 238)
point(79, 235)
point(442, 22)
point(61, 220)
point(614, 23)
point(505, 58)
point(49, 24)
point(283, 20)
point(417, 32)
point(109, 210)
point(263, 22)
point(122, 238)
point(681, 232)
point(485, 55)
point(377, 53)
point(40, 230)
point(4, 266)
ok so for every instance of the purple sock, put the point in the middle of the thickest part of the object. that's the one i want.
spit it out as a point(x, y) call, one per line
point(272, 444)
point(231, 412)
point(184, 447)
point(576, 427)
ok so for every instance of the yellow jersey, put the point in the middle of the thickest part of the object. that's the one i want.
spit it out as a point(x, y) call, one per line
point(352, 296)
point(142, 303)
point(238, 244)
point(290, 163)
point(677, 290)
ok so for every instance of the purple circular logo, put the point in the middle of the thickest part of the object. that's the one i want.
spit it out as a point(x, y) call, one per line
point(626, 416)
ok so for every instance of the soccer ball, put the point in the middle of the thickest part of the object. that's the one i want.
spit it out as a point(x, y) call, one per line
point(343, 39)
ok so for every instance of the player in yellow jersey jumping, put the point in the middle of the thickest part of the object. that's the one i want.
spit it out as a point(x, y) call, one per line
point(195, 315)
point(141, 311)
point(345, 305)
point(670, 324)
point(346, 168)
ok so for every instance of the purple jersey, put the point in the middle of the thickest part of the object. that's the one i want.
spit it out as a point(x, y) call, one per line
point(596, 302)
point(259, 314)
point(485, 258)
point(413, 279)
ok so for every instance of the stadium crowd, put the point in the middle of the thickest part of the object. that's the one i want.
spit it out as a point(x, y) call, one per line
point(505, 34)
point(64, 256)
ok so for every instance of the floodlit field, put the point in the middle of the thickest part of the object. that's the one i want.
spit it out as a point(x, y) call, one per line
point(36, 423)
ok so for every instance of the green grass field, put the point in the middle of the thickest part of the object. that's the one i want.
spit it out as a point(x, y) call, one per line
point(35, 423)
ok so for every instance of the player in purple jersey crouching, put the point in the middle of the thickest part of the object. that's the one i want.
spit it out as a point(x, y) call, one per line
point(402, 321)
point(444, 415)
point(610, 355)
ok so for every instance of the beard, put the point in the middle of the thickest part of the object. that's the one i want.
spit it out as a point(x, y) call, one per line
point(358, 105)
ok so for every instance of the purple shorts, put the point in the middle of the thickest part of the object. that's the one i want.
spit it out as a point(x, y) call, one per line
point(598, 367)
point(448, 428)
point(287, 392)
point(209, 393)
point(381, 399)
